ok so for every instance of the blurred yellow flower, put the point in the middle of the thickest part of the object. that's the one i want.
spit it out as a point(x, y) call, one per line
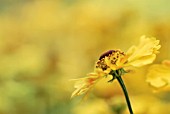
point(159, 75)
point(116, 60)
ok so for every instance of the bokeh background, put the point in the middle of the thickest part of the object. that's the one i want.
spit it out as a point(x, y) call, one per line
point(45, 43)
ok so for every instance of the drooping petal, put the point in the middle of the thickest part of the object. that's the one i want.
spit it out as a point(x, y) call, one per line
point(83, 85)
point(144, 53)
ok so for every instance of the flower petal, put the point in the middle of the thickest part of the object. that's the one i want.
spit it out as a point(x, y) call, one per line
point(144, 53)
point(143, 60)
point(83, 85)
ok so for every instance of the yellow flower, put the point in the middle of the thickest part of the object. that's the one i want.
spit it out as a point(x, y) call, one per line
point(159, 76)
point(116, 60)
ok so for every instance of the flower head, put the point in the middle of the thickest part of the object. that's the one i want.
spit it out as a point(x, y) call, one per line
point(113, 61)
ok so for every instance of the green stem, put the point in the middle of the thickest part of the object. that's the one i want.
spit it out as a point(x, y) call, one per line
point(125, 93)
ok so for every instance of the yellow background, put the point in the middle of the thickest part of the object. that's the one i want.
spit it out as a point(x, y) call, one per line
point(44, 43)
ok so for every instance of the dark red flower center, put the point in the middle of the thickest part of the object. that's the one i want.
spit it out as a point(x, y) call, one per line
point(106, 54)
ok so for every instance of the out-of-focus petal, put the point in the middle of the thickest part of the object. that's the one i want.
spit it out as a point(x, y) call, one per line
point(166, 62)
point(159, 76)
